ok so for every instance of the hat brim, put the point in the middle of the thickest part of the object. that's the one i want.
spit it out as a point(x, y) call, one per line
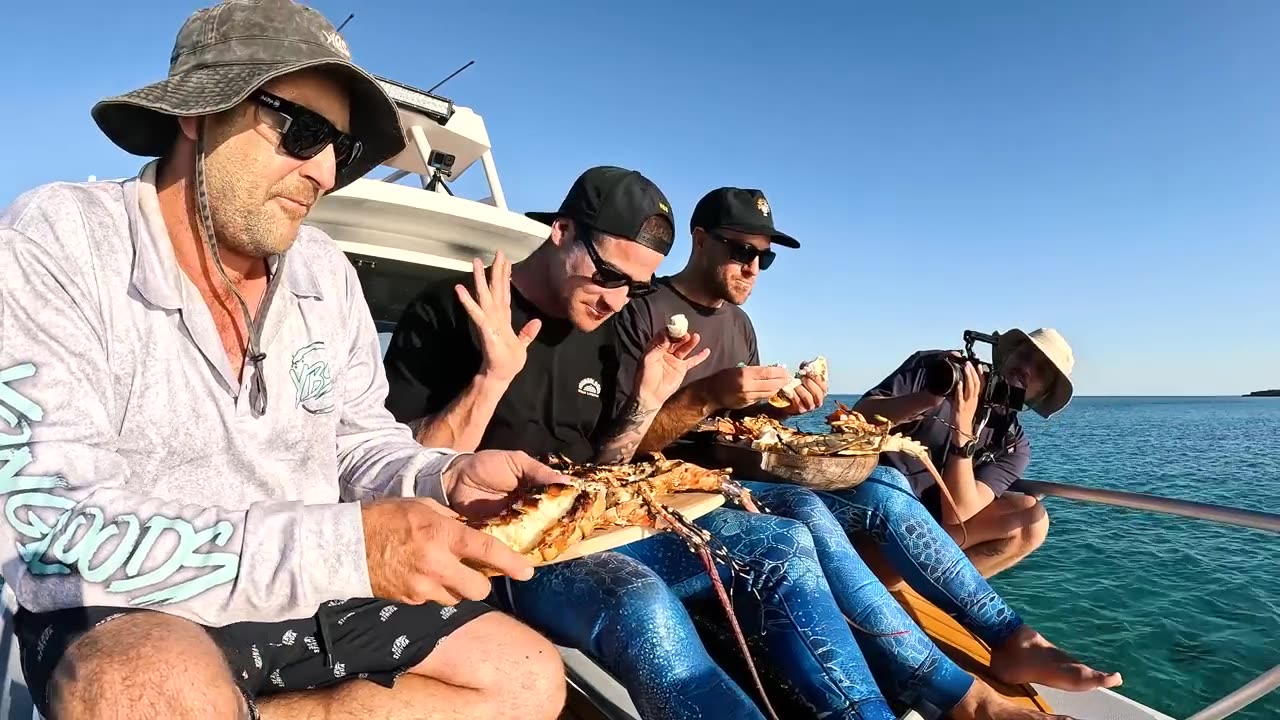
point(1060, 391)
point(775, 237)
point(145, 122)
point(546, 218)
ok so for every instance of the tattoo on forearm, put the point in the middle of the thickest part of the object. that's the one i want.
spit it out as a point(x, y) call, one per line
point(627, 433)
point(680, 415)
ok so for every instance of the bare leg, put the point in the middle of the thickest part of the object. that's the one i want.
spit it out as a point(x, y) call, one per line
point(414, 697)
point(1003, 533)
point(492, 667)
point(143, 666)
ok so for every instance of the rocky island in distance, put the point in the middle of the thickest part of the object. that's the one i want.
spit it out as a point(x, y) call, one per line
point(1264, 393)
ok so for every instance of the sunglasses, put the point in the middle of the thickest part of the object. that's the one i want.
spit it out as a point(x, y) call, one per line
point(306, 132)
point(608, 276)
point(741, 252)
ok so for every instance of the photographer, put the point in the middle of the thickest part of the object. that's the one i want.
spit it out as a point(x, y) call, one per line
point(949, 403)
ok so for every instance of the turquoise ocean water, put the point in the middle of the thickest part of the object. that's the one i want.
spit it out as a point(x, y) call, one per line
point(1187, 610)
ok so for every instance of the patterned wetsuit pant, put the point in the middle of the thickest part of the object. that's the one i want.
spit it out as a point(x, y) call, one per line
point(627, 611)
point(884, 509)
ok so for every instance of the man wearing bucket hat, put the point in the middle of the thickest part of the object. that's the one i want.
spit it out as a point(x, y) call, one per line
point(1000, 527)
point(180, 471)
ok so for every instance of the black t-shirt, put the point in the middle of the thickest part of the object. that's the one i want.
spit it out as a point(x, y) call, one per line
point(1004, 451)
point(558, 403)
point(726, 330)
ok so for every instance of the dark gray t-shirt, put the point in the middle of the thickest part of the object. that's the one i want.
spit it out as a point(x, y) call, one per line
point(1004, 450)
point(726, 330)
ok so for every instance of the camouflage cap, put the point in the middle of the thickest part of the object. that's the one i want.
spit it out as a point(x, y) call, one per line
point(225, 52)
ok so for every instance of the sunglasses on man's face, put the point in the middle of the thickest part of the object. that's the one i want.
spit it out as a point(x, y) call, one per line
point(742, 252)
point(608, 276)
point(306, 133)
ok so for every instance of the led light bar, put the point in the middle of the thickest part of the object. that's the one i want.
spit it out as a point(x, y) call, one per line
point(433, 106)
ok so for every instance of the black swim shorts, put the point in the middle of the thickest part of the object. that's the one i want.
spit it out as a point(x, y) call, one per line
point(370, 639)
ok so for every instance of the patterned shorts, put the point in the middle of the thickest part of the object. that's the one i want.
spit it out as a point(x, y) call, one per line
point(371, 639)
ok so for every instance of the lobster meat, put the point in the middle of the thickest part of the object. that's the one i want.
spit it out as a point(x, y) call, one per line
point(543, 522)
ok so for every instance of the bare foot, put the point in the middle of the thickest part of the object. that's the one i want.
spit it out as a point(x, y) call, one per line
point(1026, 657)
point(984, 703)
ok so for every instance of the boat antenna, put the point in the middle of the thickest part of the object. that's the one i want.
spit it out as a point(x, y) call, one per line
point(344, 22)
point(451, 76)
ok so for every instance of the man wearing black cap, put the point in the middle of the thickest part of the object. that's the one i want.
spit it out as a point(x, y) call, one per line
point(606, 242)
point(526, 359)
point(731, 241)
point(733, 237)
point(191, 403)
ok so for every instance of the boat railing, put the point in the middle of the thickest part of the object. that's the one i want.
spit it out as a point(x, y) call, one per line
point(1251, 691)
point(1155, 503)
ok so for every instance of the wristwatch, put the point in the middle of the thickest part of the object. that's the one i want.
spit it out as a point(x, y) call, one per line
point(968, 450)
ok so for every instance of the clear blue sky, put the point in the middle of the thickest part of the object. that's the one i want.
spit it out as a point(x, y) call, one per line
point(1109, 169)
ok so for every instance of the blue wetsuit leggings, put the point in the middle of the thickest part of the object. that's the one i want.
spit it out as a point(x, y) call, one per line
point(627, 611)
point(885, 510)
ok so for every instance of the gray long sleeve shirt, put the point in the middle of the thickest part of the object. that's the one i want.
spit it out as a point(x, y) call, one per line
point(133, 471)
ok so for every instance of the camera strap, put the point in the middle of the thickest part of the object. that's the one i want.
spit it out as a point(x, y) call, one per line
point(1000, 436)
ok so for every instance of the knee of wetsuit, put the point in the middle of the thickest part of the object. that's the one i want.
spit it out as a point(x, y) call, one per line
point(783, 548)
point(782, 499)
point(885, 475)
point(647, 627)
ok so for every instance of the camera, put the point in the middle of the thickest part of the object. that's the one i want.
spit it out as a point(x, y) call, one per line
point(441, 162)
point(944, 372)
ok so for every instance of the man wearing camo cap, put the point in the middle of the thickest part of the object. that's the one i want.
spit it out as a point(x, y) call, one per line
point(191, 387)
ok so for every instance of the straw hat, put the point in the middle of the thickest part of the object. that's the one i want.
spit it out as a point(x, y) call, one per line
point(1055, 349)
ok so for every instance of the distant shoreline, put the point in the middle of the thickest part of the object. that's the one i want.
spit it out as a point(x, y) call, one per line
point(1264, 393)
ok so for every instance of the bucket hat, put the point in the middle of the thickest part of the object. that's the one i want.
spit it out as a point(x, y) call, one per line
point(1055, 349)
point(226, 51)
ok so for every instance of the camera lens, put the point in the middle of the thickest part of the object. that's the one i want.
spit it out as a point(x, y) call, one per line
point(941, 375)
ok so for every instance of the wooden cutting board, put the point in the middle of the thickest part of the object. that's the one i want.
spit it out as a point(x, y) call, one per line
point(691, 505)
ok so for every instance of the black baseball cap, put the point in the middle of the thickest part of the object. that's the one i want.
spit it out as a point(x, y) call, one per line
point(743, 209)
point(614, 201)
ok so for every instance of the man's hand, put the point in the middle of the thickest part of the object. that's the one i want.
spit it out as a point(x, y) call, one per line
point(664, 366)
point(503, 350)
point(964, 399)
point(808, 396)
point(416, 553)
point(736, 388)
point(478, 485)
